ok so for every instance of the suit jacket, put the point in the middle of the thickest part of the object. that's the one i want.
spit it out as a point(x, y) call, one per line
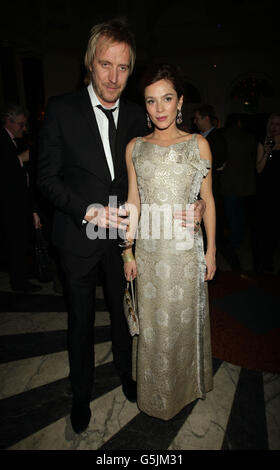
point(218, 146)
point(72, 168)
point(13, 180)
point(239, 175)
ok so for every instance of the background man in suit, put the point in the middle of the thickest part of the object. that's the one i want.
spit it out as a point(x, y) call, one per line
point(15, 209)
point(206, 121)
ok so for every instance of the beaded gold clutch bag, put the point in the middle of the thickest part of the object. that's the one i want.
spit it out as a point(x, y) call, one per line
point(130, 309)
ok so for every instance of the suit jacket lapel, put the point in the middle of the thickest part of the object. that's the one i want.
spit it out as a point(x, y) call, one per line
point(210, 135)
point(13, 148)
point(98, 162)
point(119, 164)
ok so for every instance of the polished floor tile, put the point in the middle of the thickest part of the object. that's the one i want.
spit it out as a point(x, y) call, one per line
point(241, 412)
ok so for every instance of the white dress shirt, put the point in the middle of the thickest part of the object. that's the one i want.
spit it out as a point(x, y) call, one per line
point(205, 134)
point(15, 144)
point(103, 125)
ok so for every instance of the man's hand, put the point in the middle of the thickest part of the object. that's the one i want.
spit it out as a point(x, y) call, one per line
point(192, 217)
point(106, 217)
point(130, 270)
point(199, 209)
point(36, 221)
point(24, 156)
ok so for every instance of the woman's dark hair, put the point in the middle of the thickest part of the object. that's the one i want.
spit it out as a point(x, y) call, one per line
point(163, 72)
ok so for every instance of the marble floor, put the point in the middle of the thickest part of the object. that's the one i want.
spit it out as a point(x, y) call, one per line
point(241, 413)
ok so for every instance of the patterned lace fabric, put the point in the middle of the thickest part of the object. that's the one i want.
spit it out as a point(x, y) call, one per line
point(173, 364)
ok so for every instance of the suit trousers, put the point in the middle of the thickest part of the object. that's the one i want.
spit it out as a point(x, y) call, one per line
point(81, 274)
point(15, 231)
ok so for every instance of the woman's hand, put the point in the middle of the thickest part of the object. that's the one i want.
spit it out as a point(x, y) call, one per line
point(130, 270)
point(268, 145)
point(210, 259)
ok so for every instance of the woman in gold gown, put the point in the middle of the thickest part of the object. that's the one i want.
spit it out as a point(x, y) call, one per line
point(167, 170)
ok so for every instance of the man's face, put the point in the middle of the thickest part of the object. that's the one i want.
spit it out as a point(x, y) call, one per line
point(110, 71)
point(274, 128)
point(201, 122)
point(18, 126)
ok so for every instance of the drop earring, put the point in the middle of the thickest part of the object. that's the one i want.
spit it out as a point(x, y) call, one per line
point(179, 118)
point(149, 124)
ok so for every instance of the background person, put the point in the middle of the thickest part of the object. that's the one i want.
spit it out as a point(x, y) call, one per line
point(15, 206)
point(238, 188)
point(206, 121)
point(268, 167)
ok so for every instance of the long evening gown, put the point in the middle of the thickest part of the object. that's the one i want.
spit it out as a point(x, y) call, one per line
point(173, 363)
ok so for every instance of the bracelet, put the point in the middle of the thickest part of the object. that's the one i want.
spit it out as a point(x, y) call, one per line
point(127, 257)
point(129, 243)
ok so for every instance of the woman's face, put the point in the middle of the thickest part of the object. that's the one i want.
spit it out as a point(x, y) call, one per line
point(162, 103)
point(274, 126)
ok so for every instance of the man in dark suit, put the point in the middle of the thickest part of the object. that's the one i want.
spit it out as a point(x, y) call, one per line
point(15, 209)
point(206, 121)
point(79, 166)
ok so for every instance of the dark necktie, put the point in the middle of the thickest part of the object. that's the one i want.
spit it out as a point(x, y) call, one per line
point(112, 129)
